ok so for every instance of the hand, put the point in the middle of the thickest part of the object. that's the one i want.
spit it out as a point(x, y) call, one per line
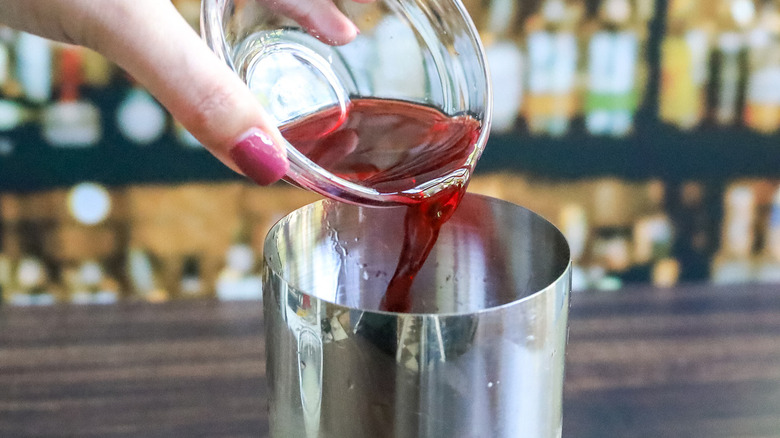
point(152, 42)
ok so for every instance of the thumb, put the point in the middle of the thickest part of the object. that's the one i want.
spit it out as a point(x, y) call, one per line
point(153, 43)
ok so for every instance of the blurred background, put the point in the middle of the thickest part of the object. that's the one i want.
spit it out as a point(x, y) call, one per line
point(647, 130)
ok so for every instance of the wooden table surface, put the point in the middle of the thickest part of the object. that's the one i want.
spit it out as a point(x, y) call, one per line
point(694, 361)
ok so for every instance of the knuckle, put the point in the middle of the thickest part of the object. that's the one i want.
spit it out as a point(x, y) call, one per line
point(217, 100)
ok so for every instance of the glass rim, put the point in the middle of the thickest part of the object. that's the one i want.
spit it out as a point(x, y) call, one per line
point(561, 277)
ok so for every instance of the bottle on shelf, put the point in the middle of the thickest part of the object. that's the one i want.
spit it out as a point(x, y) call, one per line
point(694, 242)
point(5, 65)
point(97, 70)
point(91, 285)
point(769, 267)
point(144, 278)
point(238, 279)
point(14, 114)
point(6, 274)
point(613, 55)
point(653, 238)
point(33, 56)
point(139, 117)
point(191, 284)
point(574, 225)
point(32, 287)
point(685, 53)
point(71, 122)
point(506, 62)
point(734, 261)
point(762, 94)
point(735, 17)
point(552, 69)
point(611, 254)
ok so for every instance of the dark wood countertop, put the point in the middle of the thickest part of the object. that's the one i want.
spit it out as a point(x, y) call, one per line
point(695, 361)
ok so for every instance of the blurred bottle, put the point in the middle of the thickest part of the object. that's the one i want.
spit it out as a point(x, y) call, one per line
point(5, 65)
point(191, 283)
point(695, 240)
point(733, 263)
point(552, 67)
point(769, 267)
point(97, 70)
point(34, 67)
point(143, 272)
point(91, 285)
point(684, 65)
point(32, 286)
point(237, 280)
point(574, 225)
point(139, 117)
point(14, 114)
point(611, 255)
point(71, 122)
point(735, 16)
point(653, 238)
point(762, 96)
point(613, 56)
point(506, 63)
point(6, 273)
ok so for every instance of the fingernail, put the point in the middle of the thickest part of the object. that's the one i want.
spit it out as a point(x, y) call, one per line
point(259, 158)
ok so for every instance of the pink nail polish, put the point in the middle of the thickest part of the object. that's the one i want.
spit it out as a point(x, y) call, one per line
point(259, 158)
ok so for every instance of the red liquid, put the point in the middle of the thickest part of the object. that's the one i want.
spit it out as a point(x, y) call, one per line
point(393, 146)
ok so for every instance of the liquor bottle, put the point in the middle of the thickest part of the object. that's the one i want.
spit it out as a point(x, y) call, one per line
point(574, 225)
point(653, 239)
point(32, 283)
point(735, 17)
point(733, 263)
point(5, 65)
point(552, 66)
point(191, 284)
point(13, 115)
point(34, 67)
point(71, 122)
point(613, 57)
point(762, 96)
point(144, 276)
point(97, 70)
point(506, 63)
point(91, 285)
point(695, 239)
point(237, 281)
point(5, 277)
point(685, 53)
point(769, 267)
point(139, 117)
point(7, 146)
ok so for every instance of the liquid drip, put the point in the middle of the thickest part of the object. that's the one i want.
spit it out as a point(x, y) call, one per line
point(393, 146)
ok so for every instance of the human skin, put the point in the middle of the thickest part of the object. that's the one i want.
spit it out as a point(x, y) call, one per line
point(152, 42)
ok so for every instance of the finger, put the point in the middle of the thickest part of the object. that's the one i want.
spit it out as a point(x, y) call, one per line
point(151, 40)
point(321, 18)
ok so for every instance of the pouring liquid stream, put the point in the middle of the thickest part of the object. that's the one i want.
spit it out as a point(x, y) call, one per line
point(393, 146)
